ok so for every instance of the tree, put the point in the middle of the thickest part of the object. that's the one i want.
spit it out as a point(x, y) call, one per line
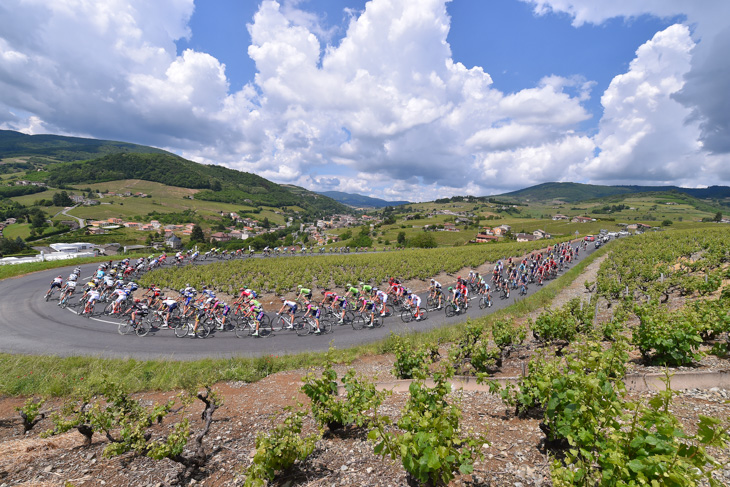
point(38, 220)
point(266, 224)
point(62, 199)
point(718, 216)
point(423, 240)
point(197, 234)
point(666, 223)
point(216, 185)
point(401, 238)
point(346, 235)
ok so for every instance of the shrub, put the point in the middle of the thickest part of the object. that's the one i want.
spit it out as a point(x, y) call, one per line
point(430, 445)
point(334, 412)
point(410, 362)
point(666, 338)
point(279, 449)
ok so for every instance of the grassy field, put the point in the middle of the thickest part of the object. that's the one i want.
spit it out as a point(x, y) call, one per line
point(53, 376)
point(16, 230)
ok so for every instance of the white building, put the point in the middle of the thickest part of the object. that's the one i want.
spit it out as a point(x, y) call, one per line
point(72, 247)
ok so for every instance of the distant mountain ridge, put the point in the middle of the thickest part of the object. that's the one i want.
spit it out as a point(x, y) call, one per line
point(360, 201)
point(63, 148)
point(575, 192)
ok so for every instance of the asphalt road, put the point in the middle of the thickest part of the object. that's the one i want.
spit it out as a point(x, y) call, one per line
point(30, 325)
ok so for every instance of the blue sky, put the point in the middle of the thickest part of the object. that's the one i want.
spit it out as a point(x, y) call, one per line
point(413, 99)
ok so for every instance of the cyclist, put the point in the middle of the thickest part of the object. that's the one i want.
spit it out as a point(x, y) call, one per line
point(93, 296)
point(381, 299)
point(454, 297)
point(436, 291)
point(224, 312)
point(291, 311)
point(305, 294)
point(67, 290)
point(167, 305)
point(485, 290)
point(352, 292)
point(55, 283)
point(121, 295)
point(365, 306)
point(138, 309)
point(366, 288)
point(257, 312)
point(415, 302)
point(341, 302)
point(314, 311)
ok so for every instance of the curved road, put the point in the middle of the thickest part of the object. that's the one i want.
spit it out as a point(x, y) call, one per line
point(30, 325)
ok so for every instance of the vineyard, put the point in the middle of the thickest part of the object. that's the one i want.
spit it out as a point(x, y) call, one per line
point(283, 274)
point(658, 300)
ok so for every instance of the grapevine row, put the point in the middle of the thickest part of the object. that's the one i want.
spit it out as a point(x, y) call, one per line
point(283, 274)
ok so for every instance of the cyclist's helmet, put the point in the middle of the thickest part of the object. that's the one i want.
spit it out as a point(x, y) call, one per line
point(241, 289)
point(299, 286)
point(375, 289)
point(60, 277)
point(137, 300)
point(283, 299)
point(362, 283)
point(433, 280)
point(348, 285)
point(451, 288)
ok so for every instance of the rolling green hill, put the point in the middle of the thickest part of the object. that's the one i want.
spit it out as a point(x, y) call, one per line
point(63, 161)
point(575, 192)
point(216, 183)
point(54, 148)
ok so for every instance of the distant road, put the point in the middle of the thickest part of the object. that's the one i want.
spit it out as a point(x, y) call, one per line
point(30, 325)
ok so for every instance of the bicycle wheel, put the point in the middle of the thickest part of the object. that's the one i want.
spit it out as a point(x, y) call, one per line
point(378, 321)
point(142, 328)
point(424, 314)
point(48, 295)
point(358, 322)
point(125, 327)
point(264, 330)
point(182, 330)
point(203, 330)
point(108, 309)
point(349, 316)
point(406, 315)
point(450, 310)
point(302, 328)
point(432, 302)
point(325, 326)
point(266, 322)
point(482, 302)
point(388, 310)
point(243, 329)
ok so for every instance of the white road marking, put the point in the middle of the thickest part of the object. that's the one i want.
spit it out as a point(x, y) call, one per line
point(95, 319)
